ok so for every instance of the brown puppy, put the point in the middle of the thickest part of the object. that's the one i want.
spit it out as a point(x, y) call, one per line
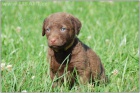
point(61, 30)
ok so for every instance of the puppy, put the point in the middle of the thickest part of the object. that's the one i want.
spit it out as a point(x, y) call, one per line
point(69, 57)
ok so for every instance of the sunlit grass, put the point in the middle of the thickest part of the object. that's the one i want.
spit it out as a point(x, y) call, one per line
point(109, 28)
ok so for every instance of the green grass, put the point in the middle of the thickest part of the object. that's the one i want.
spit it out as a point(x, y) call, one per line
point(109, 28)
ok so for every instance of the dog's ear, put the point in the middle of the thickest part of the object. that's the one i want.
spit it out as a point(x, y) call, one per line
point(76, 23)
point(46, 20)
point(43, 28)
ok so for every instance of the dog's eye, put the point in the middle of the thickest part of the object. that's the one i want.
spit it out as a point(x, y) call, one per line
point(63, 29)
point(48, 29)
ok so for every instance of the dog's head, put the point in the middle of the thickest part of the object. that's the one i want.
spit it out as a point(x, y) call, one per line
point(61, 30)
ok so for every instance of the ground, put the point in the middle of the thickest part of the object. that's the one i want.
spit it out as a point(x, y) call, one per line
point(109, 28)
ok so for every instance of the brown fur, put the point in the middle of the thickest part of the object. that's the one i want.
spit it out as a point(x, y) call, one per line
point(61, 30)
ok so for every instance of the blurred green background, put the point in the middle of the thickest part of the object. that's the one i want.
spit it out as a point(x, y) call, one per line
point(109, 28)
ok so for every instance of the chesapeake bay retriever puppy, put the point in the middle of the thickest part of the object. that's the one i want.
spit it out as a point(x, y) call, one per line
point(69, 57)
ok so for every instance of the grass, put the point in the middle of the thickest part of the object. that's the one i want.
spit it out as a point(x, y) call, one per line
point(109, 28)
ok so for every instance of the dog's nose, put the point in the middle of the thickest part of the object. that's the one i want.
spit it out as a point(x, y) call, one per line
point(53, 40)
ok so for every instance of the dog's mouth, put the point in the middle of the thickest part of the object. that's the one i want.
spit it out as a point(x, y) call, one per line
point(62, 47)
point(56, 48)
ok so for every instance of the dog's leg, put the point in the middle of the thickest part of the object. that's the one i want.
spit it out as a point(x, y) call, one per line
point(55, 83)
point(84, 78)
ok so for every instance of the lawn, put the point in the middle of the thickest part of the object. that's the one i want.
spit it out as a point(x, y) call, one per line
point(109, 28)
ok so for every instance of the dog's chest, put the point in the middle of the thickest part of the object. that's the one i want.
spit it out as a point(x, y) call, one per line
point(70, 64)
point(57, 67)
